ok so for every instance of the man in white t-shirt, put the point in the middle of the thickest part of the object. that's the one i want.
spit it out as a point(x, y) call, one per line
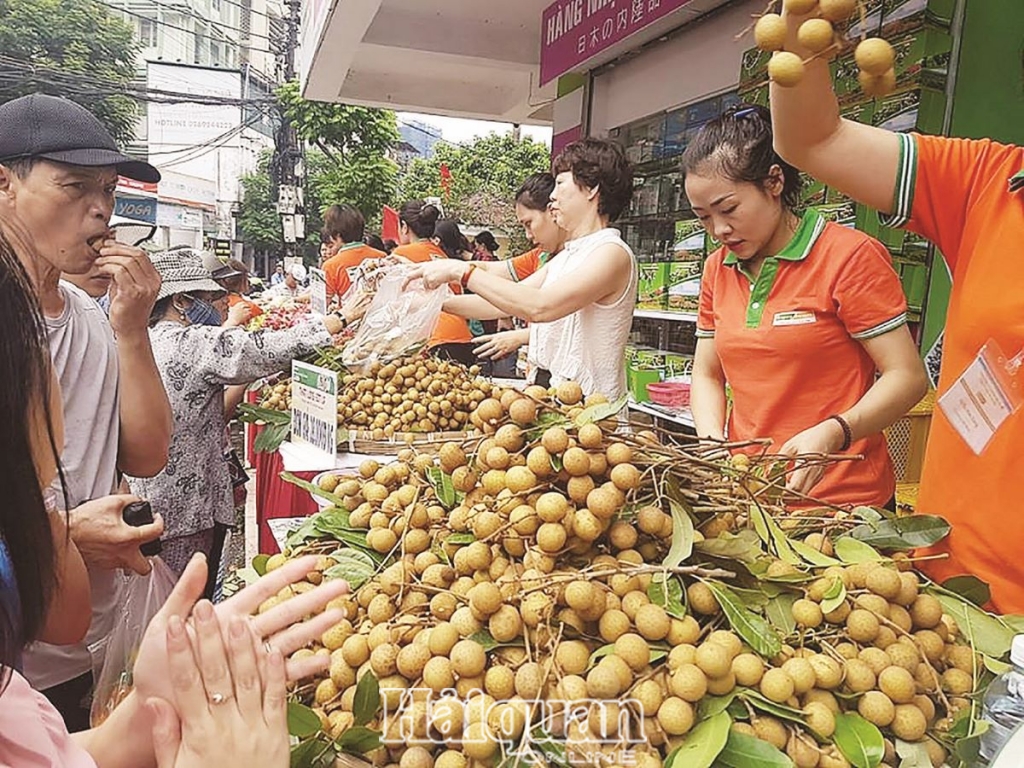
point(58, 171)
point(292, 285)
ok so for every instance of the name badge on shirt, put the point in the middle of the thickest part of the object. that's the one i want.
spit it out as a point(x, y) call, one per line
point(984, 397)
point(794, 318)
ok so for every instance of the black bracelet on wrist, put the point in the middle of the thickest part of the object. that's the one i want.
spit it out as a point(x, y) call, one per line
point(847, 432)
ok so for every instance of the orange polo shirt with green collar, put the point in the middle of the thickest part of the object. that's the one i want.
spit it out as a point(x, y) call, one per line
point(521, 267)
point(341, 267)
point(957, 193)
point(789, 342)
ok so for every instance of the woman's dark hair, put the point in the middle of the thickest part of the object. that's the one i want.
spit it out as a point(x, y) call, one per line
point(344, 222)
point(535, 193)
point(374, 242)
point(486, 239)
point(159, 310)
point(24, 522)
point(389, 246)
point(601, 164)
point(421, 218)
point(452, 241)
point(739, 146)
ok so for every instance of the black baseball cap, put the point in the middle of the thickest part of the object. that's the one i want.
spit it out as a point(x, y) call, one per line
point(60, 130)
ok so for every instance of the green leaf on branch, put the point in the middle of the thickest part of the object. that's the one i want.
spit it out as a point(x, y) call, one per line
point(353, 566)
point(460, 538)
point(852, 551)
point(744, 547)
point(970, 588)
point(441, 482)
point(779, 611)
point(485, 639)
point(682, 535)
point(600, 412)
point(702, 745)
point(913, 754)
point(367, 699)
point(667, 591)
point(986, 632)
point(834, 596)
point(359, 740)
point(812, 556)
point(860, 741)
point(309, 487)
point(711, 705)
point(303, 722)
point(270, 437)
point(754, 630)
point(902, 533)
point(259, 564)
point(254, 414)
point(773, 535)
point(742, 751)
point(759, 701)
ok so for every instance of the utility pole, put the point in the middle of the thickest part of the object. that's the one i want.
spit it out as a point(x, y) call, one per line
point(288, 151)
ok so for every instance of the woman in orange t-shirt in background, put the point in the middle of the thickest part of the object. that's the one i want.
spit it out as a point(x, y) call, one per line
point(344, 229)
point(417, 222)
point(805, 319)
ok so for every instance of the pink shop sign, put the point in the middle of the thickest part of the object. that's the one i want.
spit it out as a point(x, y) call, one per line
point(573, 31)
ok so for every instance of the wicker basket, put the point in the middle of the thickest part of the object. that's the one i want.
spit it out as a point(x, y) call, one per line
point(908, 438)
point(424, 442)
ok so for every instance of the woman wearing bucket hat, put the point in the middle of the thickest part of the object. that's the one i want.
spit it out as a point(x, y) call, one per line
point(197, 358)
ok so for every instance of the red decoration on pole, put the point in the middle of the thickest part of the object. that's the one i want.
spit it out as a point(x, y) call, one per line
point(389, 228)
point(446, 179)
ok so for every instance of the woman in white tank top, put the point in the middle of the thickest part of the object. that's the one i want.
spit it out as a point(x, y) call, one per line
point(580, 305)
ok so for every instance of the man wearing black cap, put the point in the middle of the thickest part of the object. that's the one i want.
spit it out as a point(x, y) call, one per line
point(58, 173)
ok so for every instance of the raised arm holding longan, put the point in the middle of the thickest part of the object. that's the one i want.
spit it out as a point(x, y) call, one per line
point(965, 197)
point(810, 134)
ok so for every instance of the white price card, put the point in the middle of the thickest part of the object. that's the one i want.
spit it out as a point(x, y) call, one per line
point(984, 397)
point(318, 291)
point(315, 409)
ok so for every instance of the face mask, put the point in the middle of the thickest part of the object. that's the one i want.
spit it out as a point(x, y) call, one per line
point(202, 313)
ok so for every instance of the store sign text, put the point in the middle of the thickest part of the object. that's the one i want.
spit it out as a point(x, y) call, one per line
point(574, 31)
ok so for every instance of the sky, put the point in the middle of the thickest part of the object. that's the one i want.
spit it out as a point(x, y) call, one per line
point(458, 130)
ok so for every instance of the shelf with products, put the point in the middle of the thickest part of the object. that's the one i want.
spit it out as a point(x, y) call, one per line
point(679, 416)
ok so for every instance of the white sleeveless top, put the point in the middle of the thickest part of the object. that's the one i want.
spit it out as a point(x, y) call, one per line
point(587, 346)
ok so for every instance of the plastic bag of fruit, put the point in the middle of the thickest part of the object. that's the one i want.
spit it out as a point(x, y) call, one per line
point(399, 321)
point(142, 597)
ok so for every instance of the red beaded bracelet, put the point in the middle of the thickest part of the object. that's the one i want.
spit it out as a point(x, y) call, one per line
point(847, 432)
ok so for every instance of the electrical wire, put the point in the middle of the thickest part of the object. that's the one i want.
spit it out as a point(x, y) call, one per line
point(167, 24)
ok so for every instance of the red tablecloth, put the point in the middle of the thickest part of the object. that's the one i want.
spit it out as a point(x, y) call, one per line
point(275, 498)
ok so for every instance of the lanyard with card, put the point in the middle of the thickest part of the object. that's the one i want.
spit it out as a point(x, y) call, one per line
point(985, 396)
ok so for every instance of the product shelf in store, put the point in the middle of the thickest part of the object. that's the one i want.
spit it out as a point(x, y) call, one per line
point(681, 416)
point(656, 314)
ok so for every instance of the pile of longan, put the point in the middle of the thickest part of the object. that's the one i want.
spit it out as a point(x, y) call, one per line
point(416, 394)
point(874, 56)
point(534, 587)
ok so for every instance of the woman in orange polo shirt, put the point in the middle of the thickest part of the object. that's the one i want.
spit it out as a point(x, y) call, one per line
point(344, 229)
point(806, 320)
point(417, 223)
point(966, 197)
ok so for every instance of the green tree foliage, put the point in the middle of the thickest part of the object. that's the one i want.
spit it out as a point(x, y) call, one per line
point(346, 162)
point(72, 48)
point(485, 177)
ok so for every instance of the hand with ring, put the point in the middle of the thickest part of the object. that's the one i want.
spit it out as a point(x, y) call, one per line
point(229, 697)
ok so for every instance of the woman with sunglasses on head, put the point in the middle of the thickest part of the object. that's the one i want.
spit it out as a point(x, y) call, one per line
point(806, 320)
point(197, 357)
point(215, 695)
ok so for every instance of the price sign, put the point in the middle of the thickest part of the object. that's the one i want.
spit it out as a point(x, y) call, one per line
point(318, 291)
point(315, 409)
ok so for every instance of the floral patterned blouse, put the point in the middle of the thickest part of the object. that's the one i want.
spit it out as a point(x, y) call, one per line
point(196, 362)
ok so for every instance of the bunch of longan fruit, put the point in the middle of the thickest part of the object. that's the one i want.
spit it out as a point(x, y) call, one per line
point(874, 56)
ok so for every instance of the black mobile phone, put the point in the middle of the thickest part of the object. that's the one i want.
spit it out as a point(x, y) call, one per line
point(137, 514)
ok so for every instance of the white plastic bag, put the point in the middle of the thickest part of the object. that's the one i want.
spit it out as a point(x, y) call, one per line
point(399, 321)
point(141, 598)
